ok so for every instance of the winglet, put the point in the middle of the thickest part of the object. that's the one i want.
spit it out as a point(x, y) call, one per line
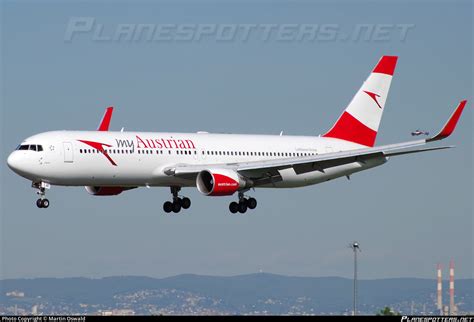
point(104, 124)
point(450, 125)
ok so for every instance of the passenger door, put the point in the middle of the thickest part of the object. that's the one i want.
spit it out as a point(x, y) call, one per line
point(68, 152)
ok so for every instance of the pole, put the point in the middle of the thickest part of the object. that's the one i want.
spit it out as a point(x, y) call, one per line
point(355, 281)
point(355, 248)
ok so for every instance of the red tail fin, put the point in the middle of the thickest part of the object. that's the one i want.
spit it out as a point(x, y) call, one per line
point(359, 123)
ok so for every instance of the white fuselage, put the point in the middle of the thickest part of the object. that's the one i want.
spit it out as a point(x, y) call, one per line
point(134, 159)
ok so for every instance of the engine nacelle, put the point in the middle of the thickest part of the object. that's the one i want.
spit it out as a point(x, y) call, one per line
point(105, 191)
point(219, 182)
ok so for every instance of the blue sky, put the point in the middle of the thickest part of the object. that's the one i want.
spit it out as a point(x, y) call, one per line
point(407, 215)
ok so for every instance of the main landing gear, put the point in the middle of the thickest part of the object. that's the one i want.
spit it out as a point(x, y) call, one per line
point(178, 203)
point(42, 202)
point(243, 204)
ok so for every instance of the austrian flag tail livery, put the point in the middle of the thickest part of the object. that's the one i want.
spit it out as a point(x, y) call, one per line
point(360, 121)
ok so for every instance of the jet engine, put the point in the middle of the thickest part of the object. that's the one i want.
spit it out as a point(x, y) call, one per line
point(220, 182)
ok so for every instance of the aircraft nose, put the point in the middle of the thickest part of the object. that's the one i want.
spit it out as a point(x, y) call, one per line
point(13, 161)
point(16, 162)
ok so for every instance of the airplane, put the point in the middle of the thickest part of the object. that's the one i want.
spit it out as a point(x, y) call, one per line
point(419, 132)
point(108, 163)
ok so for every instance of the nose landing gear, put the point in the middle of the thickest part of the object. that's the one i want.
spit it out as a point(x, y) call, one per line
point(243, 204)
point(178, 203)
point(42, 202)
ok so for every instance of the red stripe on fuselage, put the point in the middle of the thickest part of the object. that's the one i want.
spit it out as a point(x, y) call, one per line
point(99, 147)
point(350, 129)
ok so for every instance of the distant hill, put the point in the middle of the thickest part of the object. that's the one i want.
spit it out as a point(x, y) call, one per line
point(245, 294)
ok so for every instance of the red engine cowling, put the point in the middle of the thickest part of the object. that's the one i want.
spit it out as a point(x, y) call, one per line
point(219, 182)
point(105, 191)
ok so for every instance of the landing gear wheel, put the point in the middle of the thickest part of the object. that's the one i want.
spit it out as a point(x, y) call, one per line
point(242, 207)
point(252, 203)
point(185, 203)
point(176, 206)
point(39, 203)
point(167, 207)
point(233, 207)
point(44, 203)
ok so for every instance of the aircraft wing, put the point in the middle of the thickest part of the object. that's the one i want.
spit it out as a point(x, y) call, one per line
point(263, 171)
point(269, 168)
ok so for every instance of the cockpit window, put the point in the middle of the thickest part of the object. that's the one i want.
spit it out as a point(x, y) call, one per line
point(31, 147)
